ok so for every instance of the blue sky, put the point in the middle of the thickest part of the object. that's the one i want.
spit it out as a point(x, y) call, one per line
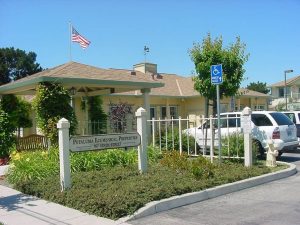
point(119, 30)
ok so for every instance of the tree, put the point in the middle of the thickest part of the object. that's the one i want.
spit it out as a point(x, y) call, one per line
point(18, 111)
point(259, 87)
point(97, 114)
point(6, 135)
point(212, 52)
point(52, 102)
point(16, 64)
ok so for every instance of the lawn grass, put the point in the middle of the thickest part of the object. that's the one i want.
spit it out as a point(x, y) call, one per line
point(121, 190)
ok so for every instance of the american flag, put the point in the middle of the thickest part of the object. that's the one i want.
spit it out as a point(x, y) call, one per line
point(76, 37)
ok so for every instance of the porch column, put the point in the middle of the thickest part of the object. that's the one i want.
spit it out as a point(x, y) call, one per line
point(168, 109)
point(145, 92)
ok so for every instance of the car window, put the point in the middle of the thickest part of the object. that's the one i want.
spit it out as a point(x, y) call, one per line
point(261, 120)
point(291, 116)
point(230, 122)
point(281, 119)
point(206, 124)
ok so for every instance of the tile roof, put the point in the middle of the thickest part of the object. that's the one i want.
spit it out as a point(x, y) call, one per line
point(78, 70)
point(174, 85)
point(289, 81)
point(84, 77)
point(178, 86)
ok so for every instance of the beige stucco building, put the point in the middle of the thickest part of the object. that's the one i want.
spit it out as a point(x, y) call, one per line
point(163, 95)
point(286, 94)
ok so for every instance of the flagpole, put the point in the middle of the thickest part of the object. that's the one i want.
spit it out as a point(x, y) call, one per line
point(70, 37)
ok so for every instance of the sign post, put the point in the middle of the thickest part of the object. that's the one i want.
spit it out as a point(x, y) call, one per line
point(98, 142)
point(63, 126)
point(246, 126)
point(217, 79)
point(141, 117)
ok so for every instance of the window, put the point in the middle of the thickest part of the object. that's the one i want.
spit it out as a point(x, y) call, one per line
point(230, 122)
point(291, 116)
point(152, 113)
point(223, 107)
point(259, 107)
point(261, 120)
point(281, 92)
point(163, 112)
point(281, 119)
point(173, 112)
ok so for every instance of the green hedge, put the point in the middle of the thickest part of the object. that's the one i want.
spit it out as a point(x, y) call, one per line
point(119, 191)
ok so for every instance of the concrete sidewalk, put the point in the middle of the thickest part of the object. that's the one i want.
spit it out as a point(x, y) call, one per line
point(17, 208)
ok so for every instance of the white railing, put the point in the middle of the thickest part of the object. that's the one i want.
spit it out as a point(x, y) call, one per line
point(183, 135)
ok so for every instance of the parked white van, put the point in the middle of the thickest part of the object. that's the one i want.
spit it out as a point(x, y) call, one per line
point(295, 118)
point(265, 125)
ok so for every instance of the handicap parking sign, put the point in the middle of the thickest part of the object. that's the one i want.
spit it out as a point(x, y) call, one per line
point(216, 74)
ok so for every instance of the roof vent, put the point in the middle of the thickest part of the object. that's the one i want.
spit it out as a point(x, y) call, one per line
point(159, 76)
point(132, 73)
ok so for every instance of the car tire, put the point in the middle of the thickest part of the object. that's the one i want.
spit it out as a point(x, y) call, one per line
point(279, 155)
point(260, 151)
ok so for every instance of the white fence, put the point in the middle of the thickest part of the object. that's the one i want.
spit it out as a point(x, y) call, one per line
point(195, 137)
point(184, 135)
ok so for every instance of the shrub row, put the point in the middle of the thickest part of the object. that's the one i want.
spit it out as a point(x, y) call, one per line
point(119, 191)
point(40, 164)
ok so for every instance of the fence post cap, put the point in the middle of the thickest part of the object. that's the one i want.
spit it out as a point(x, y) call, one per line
point(63, 123)
point(140, 112)
point(246, 111)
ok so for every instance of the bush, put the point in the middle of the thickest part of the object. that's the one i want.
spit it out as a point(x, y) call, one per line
point(41, 164)
point(119, 191)
point(199, 167)
point(7, 139)
point(174, 160)
point(52, 103)
point(30, 165)
point(236, 146)
point(188, 142)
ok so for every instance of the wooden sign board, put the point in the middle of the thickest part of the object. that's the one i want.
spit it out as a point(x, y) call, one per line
point(99, 142)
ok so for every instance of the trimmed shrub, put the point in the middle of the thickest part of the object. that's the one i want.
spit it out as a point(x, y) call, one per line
point(119, 191)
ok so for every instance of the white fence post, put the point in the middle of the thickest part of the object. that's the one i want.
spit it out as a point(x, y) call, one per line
point(246, 125)
point(180, 135)
point(212, 139)
point(63, 126)
point(141, 115)
point(153, 132)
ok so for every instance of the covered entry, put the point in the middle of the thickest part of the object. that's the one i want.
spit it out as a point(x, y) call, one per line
point(84, 80)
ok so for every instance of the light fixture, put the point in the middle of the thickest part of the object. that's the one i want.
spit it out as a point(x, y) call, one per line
point(72, 91)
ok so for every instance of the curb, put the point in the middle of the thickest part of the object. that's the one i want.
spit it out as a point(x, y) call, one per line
point(190, 198)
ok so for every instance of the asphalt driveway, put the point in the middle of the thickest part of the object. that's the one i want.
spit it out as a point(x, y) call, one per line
point(274, 203)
